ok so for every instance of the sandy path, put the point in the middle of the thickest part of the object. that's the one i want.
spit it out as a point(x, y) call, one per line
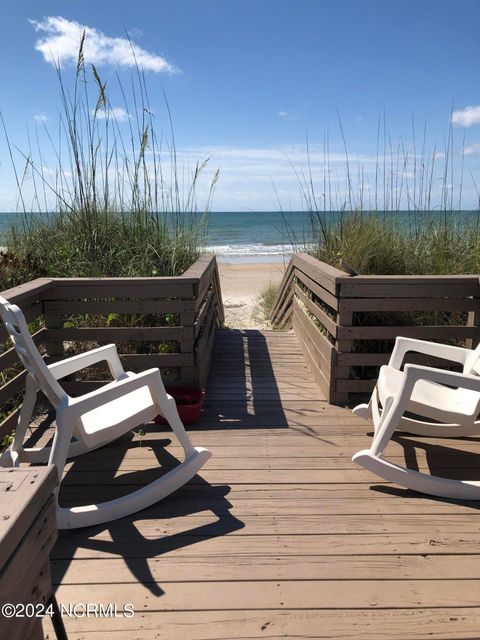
point(241, 285)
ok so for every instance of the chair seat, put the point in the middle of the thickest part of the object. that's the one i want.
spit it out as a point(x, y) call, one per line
point(136, 408)
point(430, 399)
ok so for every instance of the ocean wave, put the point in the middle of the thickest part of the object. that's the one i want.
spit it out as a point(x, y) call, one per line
point(254, 249)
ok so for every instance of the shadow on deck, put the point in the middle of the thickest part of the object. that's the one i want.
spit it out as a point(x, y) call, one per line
point(242, 393)
point(280, 535)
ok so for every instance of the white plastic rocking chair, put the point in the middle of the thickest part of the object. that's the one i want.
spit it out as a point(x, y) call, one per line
point(94, 420)
point(444, 404)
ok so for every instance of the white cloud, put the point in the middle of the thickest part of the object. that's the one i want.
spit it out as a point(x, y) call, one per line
point(115, 113)
point(295, 113)
point(135, 32)
point(249, 176)
point(62, 40)
point(40, 117)
point(466, 117)
point(473, 149)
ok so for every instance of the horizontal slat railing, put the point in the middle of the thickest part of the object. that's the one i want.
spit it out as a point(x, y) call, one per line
point(366, 301)
point(29, 297)
point(308, 301)
point(347, 324)
point(177, 337)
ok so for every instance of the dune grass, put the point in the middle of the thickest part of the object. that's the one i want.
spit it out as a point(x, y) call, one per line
point(402, 215)
point(122, 206)
point(264, 303)
point(373, 243)
point(408, 220)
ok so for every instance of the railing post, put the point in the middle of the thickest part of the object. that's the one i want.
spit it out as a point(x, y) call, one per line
point(53, 320)
point(473, 320)
point(342, 372)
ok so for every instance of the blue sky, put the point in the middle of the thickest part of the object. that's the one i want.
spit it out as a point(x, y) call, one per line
point(248, 81)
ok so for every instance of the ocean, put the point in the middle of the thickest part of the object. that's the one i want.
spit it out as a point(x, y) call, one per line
point(269, 236)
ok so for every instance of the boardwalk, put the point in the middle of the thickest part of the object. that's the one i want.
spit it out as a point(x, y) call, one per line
point(281, 535)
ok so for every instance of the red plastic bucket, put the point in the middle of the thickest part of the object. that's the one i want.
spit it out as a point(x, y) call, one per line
point(189, 403)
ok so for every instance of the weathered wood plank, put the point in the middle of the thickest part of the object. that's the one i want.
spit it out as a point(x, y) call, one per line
point(284, 295)
point(326, 567)
point(198, 269)
point(317, 338)
point(322, 293)
point(207, 310)
point(352, 475)
point(321, 272)
point(377, 359)
point(421, 287)
point(149, 460)
point(288, 502)
point(104, 307)
point(29, 557)
point(353, 624)
point(305, 594)
point(409, 304)
point(412, 543)
point(355, 386)
point(120, 334)
point(320, 374)
point(28, 291)
point(319, 313)
point(289, 525)
point(21, 490)
point(146, 361)
point(471, 279)
point(426, 332)
point(120, 288)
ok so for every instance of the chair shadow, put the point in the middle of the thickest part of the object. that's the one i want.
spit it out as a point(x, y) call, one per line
point(98, 469)
point(242, 392)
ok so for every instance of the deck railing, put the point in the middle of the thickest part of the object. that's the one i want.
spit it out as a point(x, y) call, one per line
point(347, 324)
point(190, 306)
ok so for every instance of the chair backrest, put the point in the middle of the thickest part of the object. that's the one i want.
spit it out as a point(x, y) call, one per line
point(472, 363)
point(17, 328)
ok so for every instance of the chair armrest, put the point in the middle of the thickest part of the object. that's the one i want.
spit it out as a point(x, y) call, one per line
point(115, 390)
point(415, 372)
point(445, 351)
point(82, 360)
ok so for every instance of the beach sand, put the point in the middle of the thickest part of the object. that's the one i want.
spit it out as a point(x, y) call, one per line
point(241, 285)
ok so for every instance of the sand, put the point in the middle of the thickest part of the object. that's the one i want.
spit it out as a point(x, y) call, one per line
point(241, 285)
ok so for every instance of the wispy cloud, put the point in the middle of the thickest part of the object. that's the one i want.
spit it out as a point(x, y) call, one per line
point(466, 117)
point(251, 176)
point(61, 41)
point(472, 150)
point(116, 113)
point(293, 114)
point(40, 117)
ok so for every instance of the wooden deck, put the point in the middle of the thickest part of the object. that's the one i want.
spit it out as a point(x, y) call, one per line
point(280, 535)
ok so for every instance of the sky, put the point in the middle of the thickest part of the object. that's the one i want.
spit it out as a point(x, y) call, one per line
point(251, 83)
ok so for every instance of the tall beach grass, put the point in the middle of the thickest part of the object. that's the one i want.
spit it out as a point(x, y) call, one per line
point(121, 205)
point(404, 216)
